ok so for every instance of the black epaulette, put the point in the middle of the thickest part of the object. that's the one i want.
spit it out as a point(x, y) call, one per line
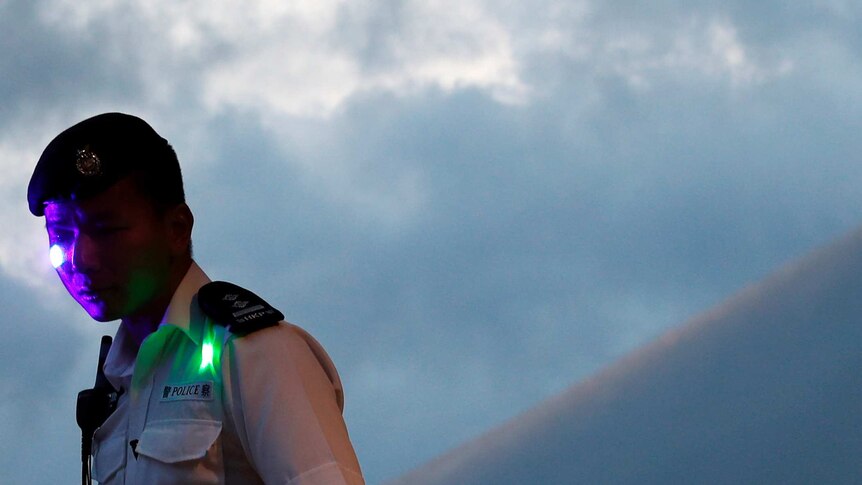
point(238, 309)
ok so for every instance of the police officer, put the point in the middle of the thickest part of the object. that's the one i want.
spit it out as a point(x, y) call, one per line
point(214, 387)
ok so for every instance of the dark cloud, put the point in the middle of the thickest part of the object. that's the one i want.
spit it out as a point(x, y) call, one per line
point(542, 251)
point(762, 389)
point(46, 69)
point(43, 348)
point(45, 342)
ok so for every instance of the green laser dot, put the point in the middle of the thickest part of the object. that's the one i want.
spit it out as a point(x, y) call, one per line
point(206, 355)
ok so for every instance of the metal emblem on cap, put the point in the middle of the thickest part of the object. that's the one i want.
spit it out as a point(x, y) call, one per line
point(88, 163)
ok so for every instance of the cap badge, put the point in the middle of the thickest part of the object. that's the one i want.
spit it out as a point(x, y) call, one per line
point(88, 163)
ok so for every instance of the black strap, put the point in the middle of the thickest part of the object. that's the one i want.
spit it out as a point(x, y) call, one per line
point(94, 407)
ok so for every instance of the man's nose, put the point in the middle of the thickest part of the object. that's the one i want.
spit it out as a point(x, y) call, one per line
point(84, 254)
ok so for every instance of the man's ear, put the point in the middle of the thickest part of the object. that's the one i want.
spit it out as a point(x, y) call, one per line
point(180, 221)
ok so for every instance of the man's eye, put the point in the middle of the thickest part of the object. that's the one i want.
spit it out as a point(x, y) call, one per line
point(109, 230)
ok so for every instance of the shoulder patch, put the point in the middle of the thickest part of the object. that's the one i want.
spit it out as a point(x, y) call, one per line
point(238, 309)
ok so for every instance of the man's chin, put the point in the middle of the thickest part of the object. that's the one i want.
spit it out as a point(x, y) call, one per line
point(100, 313)
point(104, 318)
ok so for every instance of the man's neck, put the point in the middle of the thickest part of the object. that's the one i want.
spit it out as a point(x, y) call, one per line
point(144, 324)
point(140, 328)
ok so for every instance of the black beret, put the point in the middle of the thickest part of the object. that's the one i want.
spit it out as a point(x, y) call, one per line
point(94, 154)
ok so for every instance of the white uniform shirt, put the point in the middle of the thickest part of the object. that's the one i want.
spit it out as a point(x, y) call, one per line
point(263, 408)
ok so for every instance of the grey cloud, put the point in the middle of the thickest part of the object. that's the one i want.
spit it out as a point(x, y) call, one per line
point(544, 250)
point(763, 388)
point(33, 329)
point(48, 71)
point(42, 348)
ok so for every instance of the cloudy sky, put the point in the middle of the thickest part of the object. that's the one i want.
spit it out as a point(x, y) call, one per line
point(472, 204)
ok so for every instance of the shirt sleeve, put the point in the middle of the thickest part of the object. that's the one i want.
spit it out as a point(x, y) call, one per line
point(284, 397)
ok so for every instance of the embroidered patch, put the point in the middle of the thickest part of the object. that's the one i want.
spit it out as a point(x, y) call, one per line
point(88, 163)
point(194, 391)
point(240, 310)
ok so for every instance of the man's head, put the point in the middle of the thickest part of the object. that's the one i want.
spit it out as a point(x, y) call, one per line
point(96, 153)
point(111, 191)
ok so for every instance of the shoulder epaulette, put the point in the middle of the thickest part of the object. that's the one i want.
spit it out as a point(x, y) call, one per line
point(238, 309)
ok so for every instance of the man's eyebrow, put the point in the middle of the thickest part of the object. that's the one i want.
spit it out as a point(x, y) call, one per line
point(56, 219)
point(61, 218)
point(57, 224)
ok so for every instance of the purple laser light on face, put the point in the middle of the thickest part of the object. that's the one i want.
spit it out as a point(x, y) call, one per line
point(57, 255)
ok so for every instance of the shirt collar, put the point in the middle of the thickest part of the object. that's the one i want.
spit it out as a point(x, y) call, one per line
point(183, 313)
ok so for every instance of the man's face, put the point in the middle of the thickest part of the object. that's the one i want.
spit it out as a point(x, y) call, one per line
point(117, 252)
